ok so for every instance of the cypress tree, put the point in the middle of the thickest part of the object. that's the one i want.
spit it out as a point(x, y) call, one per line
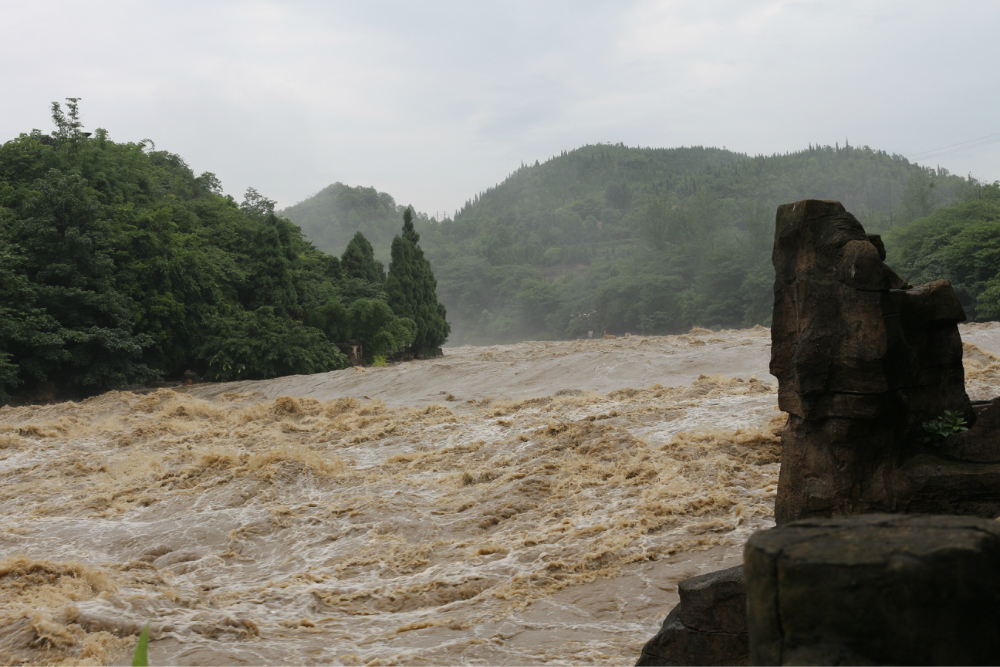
point(412, 289)
point(359, 261)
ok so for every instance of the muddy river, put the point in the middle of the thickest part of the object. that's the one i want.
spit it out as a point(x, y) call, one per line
point(520, 504)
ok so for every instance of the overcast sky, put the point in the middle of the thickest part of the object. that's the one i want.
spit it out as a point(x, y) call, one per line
point(434, 101)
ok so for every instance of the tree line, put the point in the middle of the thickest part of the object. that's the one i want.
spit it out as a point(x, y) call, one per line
point(624, 239)
point(959, 243)
point(119, 266)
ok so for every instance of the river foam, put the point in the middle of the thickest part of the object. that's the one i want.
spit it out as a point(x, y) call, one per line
point(346, 523)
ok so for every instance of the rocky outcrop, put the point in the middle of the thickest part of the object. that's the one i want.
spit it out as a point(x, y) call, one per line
point(708, 625)
point(862, 360)
point(875, 589)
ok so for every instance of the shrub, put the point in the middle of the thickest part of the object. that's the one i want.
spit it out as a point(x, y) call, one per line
point(949, 423)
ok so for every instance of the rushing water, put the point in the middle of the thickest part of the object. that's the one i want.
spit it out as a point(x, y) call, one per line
point(523, 504)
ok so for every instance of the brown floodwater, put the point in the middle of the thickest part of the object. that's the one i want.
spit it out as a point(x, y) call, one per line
point(522, 504)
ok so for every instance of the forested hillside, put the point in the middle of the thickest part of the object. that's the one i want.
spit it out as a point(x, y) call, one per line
point(612, 238)
point(332, 217)
point(960, 243)
point(118, 265)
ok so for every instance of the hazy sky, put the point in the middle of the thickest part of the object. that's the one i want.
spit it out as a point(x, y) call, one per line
point(433, 101)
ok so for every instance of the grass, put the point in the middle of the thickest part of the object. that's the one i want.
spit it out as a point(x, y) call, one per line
point(140, 657)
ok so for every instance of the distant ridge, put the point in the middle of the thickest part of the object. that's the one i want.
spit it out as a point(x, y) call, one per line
point(618, 238)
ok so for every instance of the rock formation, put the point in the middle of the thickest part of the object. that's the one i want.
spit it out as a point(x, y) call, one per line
point(707, 627)
point(875, 589)
point(862, 358)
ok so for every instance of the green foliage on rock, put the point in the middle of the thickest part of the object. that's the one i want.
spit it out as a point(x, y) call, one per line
point(949, 423)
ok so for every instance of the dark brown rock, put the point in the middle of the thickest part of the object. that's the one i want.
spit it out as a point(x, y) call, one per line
point(714, 602)
point(708, 625)
point(981, 442)
point(862, 358)
point(932, 484)
point(875, 589)
point(876, 240)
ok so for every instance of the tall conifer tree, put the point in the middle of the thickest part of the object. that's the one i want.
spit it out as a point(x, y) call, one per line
point(412, 289)
point(359, 261)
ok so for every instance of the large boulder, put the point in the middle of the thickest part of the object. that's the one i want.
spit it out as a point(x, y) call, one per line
point(875, 589)
point(707, 627)
point(862, 358)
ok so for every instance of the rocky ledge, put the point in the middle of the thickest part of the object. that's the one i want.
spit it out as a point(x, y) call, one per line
point(875, 589)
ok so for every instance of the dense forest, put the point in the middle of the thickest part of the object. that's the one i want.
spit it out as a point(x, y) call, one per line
point(118, 266)
point(612, 238)
point(960, 243)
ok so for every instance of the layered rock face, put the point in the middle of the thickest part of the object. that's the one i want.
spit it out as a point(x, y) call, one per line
point(862, 360)
point(875, 589)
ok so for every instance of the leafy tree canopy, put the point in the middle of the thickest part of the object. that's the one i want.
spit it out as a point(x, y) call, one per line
point(119, 265)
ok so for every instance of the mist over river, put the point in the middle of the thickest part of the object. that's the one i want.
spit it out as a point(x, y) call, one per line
point(518, 504)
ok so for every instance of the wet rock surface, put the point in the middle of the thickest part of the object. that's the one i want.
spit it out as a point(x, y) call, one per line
point(862, 358)
point(707, 627)
point(931, 484)
point(875, 589)
point(981, 443)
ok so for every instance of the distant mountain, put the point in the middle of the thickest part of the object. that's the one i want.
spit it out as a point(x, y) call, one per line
point(331, 217)
point(613, 238)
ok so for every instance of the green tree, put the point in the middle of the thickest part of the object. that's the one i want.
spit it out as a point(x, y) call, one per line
point(378, 329)
point(358, 261)
point(919, 199)
point(69, 128)
point(618, 195)
point(412, 289)
point(960, 243)
point(578, 220)
point(84, 327)
point(332, 216)
point(262, 344)
point(118, 264)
